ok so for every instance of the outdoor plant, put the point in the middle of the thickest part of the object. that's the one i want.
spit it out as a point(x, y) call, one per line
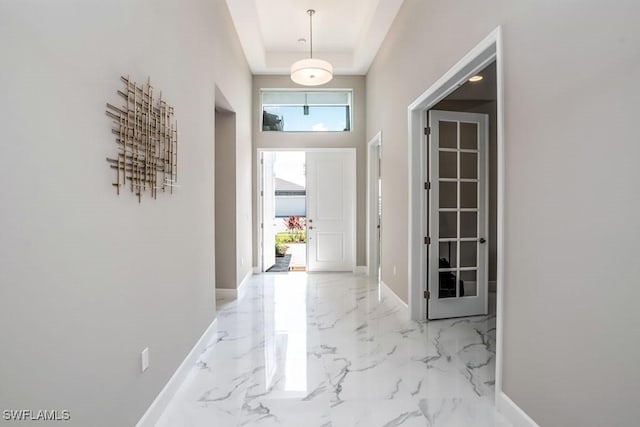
point(285, 237)
point(281, 249)
point(295, 225)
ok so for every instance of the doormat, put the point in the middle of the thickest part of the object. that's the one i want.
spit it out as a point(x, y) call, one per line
point(298, 268)
point(281, 265)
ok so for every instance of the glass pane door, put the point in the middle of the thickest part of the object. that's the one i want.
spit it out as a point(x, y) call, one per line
point(458, 203)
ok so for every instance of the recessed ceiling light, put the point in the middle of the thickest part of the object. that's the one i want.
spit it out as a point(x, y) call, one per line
point(476, 78)
point(302, 40)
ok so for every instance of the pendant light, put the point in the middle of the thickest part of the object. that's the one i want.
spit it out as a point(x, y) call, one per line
point(311, 71)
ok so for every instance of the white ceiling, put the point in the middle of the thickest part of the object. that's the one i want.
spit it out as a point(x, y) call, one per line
point(347, 33)
point(484, 90)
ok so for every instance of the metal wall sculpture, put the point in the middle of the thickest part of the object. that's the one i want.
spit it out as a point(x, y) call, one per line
point(147, 137)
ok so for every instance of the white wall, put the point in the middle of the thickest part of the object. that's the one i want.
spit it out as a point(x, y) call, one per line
point(355, 139)
point(291, 205)
point(572, 333)
point(225, 201)
point(88, 279)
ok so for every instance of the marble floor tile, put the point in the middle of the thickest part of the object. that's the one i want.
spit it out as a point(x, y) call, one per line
point(329, 350)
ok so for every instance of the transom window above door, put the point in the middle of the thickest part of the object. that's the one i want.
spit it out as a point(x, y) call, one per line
point(295, 110)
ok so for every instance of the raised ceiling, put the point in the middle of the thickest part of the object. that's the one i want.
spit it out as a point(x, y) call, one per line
point(347, 33)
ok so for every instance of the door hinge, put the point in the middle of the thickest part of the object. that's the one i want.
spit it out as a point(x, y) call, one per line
point(427, 185)
point(427, 295)
point(262, 161)
point(261, 193)
point(427, 131)
point(427, 240)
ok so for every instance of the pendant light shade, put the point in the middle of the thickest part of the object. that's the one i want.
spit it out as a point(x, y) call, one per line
point(311, 71)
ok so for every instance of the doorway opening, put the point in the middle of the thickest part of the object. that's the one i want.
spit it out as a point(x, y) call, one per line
point(461, 204)
point(226, 266)
point(488, 51)
point(287, 219)
point(374, 204)
point(313, 219)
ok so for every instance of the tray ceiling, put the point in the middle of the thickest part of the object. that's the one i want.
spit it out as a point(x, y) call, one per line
point(346, 33)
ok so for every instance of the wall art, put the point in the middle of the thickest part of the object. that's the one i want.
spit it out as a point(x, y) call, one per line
point(147, 141)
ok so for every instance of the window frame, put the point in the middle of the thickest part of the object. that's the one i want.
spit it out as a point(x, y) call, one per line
point(350, 91)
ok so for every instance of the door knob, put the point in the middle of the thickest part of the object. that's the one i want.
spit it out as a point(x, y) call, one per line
point(310, 228)
point(482, 240)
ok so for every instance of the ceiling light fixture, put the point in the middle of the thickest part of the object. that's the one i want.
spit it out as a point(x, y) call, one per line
point(311, 71)
point(476, 78)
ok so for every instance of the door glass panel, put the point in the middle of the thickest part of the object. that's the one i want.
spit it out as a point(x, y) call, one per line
point(448, 194)
point(468, 194)
point(468, 283)
point(448, 225)
point(468, 254)
point(468, 165)
point(468, 224)
point(448, 255)
point(469, 136)
point(458, 213)
point(448, 134)
point(447, 285)
point(448, 164)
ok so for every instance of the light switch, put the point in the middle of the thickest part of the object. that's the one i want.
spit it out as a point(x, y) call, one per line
point(144, 359)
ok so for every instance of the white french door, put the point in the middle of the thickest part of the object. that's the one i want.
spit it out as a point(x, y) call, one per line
point(268, 210)
point(331, 192)
point(458, 200)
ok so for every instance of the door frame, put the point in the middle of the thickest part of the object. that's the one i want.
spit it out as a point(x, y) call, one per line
point(258, 234)
point(374, 148)
point(488, 50)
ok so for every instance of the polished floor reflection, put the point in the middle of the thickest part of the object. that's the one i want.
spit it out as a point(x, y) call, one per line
point(328, 350)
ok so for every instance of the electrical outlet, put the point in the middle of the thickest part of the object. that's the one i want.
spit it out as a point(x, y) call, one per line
point(144, 359)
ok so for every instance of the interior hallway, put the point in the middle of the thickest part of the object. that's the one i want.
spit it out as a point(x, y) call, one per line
point(329, 350)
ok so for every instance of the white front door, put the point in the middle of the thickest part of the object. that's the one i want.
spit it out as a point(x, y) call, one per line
point(458, 200)
point(331, 180)
point(268, 211)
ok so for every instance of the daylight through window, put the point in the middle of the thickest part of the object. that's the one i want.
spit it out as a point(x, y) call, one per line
point(306, 110)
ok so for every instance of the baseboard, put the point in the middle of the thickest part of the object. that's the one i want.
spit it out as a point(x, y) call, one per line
point(226, 293)
point(389, 294)
point(153, 413)
point(361, 270)
point(235, 293)
point(256, 270)
point(513, 413)
point(242, 287)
